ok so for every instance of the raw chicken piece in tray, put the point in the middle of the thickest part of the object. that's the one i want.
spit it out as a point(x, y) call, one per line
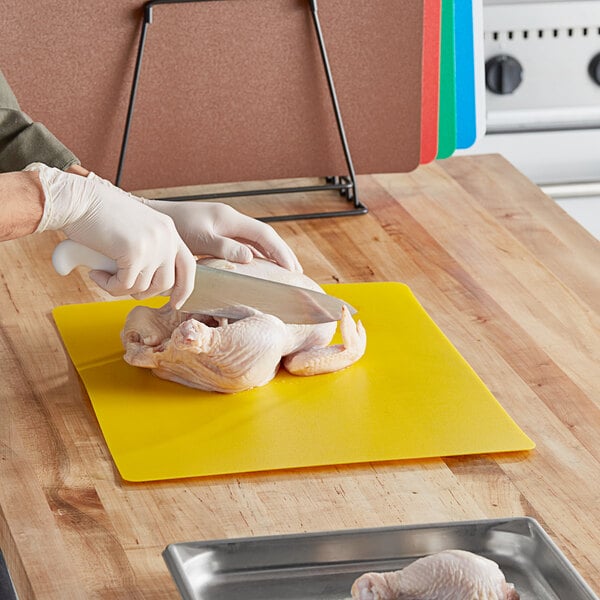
point(447, 575)
point(231, 356)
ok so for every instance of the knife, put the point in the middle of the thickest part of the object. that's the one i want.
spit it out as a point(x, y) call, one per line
point(221, 293)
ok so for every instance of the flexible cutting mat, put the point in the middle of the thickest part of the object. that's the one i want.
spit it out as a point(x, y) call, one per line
point(479, 46)
point(411, 396)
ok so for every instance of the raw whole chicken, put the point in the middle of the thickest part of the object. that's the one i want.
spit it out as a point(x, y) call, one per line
point(231, 356)
point(447, 575)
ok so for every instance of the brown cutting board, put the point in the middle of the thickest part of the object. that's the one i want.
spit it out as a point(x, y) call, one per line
point(229, 91)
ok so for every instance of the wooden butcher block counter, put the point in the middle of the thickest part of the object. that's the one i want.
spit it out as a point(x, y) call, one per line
point(509, 277)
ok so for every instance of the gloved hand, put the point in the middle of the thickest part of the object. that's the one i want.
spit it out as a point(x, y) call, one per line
point(151, 256)
point(219, 230)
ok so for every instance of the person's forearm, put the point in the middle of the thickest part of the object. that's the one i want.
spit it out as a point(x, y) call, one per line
point(21, 204)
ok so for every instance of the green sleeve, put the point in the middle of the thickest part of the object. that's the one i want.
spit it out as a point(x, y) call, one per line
point(23, 142)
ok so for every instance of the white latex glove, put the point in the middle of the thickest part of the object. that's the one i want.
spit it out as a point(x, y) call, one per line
point(219, 230)
point(151, 256)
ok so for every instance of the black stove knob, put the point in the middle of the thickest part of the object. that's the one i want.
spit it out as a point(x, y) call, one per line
point(503, 74)
point(594, 68)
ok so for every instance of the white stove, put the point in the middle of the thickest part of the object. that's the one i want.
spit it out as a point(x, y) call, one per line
point(542, 75)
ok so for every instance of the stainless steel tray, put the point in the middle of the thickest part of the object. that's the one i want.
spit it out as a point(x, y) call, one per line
point(324, 565)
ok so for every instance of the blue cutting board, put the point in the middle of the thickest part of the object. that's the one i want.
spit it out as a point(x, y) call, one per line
point(466, 112)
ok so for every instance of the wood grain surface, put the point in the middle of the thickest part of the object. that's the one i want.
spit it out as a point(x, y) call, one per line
point(510, 278)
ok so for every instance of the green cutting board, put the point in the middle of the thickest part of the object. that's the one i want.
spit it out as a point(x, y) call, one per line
point(447, 110)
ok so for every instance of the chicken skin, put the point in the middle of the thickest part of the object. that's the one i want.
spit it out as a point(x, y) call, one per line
point(234, 355)
point(447, 575)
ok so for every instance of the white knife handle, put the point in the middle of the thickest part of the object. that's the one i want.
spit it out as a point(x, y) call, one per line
point(69, 254)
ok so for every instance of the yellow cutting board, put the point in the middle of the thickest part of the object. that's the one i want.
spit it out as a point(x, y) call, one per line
point(412, 395)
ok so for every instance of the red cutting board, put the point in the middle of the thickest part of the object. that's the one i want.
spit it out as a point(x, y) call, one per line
point(430, 99)
point(411, 396)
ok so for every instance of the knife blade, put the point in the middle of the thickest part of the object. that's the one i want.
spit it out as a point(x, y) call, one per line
point(225, 293)
point(221, 293)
